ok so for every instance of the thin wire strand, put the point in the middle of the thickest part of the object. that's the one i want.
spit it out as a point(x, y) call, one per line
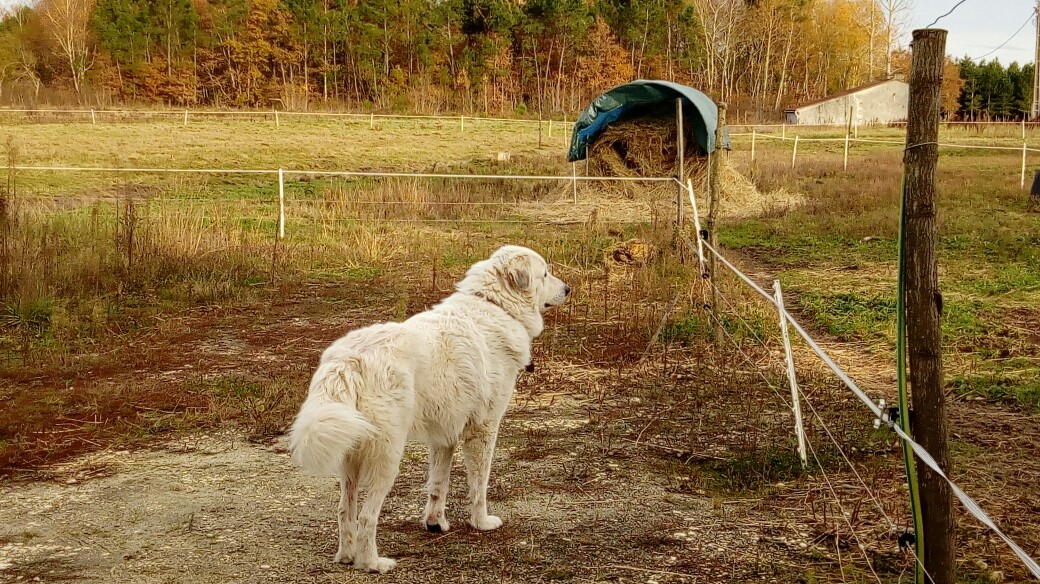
point(876, 500)
point(841, 509)
point(1028, 19)
point(955, 7)
point(747, 357)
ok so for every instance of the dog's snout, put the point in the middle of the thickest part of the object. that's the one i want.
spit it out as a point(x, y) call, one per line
point(566, 290)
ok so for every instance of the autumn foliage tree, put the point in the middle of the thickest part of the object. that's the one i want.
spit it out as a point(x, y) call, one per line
point(469, 56)
point(67, 22)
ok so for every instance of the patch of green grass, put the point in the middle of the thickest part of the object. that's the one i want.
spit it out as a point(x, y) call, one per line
point(999, 388)
point(863, 315)
point(850, 315)
point(700, 327)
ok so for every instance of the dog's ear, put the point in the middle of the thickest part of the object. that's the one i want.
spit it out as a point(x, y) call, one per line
point(518, 273)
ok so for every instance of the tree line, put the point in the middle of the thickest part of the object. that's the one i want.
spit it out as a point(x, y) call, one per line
point(992, 91)
point(469, 56)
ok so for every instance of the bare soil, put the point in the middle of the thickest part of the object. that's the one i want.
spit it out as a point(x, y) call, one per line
point(225, 505)
point(630, 472)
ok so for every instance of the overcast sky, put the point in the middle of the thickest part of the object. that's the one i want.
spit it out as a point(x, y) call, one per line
point(976, 27)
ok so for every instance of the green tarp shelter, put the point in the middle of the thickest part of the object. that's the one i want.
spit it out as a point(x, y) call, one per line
point(630, 99)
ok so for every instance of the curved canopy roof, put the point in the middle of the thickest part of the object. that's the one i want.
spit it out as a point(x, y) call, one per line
point(699, 111)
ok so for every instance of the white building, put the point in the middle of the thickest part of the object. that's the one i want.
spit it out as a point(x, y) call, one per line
point(880, 102)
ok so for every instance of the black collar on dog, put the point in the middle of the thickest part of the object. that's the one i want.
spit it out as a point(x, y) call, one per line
point(530, 366)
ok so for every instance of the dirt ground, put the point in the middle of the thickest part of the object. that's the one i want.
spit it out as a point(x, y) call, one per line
point(216, 508)
point(225, 506)
point(597, 474)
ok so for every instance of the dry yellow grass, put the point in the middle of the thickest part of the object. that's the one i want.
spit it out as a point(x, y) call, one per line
point(325, 144)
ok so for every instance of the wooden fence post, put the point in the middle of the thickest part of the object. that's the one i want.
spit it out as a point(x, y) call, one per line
point(794, 153)
point(680, 145)
point(574, 182)
point(923, 303)
point(714, 201)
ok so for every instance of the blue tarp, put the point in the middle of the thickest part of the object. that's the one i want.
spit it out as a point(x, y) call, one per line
point(699, 112)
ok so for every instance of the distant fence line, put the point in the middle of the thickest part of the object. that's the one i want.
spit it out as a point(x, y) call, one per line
point(848, 140)
point(280, 173)
point(275, 115)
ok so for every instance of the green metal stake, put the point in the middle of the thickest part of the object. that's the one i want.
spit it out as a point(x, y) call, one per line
point(904, 409)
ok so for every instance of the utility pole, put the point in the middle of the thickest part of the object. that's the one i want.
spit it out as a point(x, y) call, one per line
point(1034, 112)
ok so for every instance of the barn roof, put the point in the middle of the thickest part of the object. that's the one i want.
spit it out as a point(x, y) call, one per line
point(700, 111)
point(841, 94)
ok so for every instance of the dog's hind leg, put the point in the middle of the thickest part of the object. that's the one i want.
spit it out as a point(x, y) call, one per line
point(348, 514)
point(478, 448)
point(437, 484)
point(379, 468)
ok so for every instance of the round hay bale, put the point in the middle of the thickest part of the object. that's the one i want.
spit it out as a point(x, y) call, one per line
point(643, 146)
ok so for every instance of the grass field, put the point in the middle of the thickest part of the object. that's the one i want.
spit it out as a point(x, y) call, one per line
point(839, 251)
point(144, 308)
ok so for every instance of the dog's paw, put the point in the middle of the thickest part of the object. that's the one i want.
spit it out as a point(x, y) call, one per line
point(381, 565)
point(441, 526)
point(486, 523)
point(343, 557)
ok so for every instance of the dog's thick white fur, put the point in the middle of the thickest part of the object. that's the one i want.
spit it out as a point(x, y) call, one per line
point(443, 377)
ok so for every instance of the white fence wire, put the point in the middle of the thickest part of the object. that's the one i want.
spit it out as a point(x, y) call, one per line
point(969, 504)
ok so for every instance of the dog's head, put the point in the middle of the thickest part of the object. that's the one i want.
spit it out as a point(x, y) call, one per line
point(515, 277)
point(525, 274)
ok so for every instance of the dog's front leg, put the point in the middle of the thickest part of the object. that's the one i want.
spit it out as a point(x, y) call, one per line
point(437, 484)
point(478, 448)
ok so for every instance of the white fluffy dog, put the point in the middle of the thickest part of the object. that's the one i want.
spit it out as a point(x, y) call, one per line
point(443, 377)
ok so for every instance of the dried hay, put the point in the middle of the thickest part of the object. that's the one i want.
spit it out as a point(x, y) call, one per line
point(634, 252)
point(623, 259)
point(641, 147)
point(646, 146)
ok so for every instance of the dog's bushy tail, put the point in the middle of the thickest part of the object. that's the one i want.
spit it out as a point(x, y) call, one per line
point(326, 430)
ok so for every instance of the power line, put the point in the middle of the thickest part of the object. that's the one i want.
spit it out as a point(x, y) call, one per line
point(955, 6)
point(1028, 20)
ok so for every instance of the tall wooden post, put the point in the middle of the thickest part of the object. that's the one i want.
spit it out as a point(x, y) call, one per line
point(680, 157)
point(924, 302)
point(1034, 112)
point(714, 201)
